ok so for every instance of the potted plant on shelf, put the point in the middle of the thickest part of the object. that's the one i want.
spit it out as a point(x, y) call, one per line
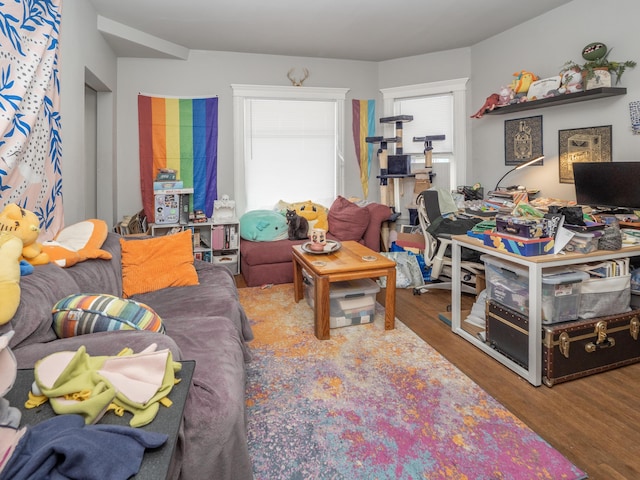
point(597, 61)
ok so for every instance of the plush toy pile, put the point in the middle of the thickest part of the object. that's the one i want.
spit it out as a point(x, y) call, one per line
point(271, 225)
point(520, 90)
point(20, 250)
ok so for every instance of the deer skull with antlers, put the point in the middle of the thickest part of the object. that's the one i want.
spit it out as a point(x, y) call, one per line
point(295, 82)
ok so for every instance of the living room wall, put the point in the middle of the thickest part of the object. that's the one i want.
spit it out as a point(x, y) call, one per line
point(213, 73)
point(540, 45)
point(86, 58)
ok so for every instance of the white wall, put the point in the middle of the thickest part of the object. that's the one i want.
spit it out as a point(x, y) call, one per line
point(428, 68)
point(542, 46)
point(432, 67)
point(212, 73)
point(85, 57)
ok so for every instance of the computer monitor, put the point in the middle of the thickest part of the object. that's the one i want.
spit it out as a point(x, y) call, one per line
point(608, 185)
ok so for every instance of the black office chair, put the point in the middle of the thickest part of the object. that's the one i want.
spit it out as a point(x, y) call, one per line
point(437, 230)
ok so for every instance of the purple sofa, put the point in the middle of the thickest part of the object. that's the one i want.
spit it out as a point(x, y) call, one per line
point(271, 262)
point(204, 322)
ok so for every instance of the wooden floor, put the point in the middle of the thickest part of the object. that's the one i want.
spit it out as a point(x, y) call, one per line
point(593, 421)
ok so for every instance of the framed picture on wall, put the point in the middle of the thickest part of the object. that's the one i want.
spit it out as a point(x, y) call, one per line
point(591, 144)
point(522, 140)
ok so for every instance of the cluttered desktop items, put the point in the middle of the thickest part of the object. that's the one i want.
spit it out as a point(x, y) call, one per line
point(604, 217)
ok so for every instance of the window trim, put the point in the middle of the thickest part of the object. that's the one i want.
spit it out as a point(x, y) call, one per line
point(241, 93)
point(457, 87)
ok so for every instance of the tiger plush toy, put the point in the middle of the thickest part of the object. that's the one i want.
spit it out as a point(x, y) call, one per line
point(24, 225)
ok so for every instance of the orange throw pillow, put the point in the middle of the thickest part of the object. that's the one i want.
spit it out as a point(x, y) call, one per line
point(149, 265)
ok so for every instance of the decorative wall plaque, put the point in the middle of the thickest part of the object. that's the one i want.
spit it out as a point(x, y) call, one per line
point(591, 144)
point(522, 140)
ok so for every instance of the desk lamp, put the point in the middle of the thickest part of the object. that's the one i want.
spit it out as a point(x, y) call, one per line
point(518, 167)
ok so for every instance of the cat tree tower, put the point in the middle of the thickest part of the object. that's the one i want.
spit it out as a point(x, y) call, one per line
point(397, 167)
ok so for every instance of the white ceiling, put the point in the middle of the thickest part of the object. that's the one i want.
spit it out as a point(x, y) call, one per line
point(370, 30)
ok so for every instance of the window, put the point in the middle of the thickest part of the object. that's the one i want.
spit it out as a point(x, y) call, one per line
point(437, 108)
point(287, 132)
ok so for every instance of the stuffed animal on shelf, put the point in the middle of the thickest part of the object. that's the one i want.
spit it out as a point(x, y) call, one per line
point(315, 214)
point(10, 251)
point(506, 95)
point(24, 225)
point(490, 103)
point(571, 81)
point(523, 81)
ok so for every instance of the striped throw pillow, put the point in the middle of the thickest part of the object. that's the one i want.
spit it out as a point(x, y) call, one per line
point(88, 313)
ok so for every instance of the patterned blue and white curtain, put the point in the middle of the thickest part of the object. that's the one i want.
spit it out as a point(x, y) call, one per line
point(30, 143)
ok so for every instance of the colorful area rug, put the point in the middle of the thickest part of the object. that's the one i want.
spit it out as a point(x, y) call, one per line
point(374, 404)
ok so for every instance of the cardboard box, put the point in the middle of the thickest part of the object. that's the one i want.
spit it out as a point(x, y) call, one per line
point(522, 227)
point(410, 240)
point(527, 247)
point(168, 185)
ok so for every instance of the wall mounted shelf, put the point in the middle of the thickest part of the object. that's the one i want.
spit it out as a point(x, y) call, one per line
point(585, 95)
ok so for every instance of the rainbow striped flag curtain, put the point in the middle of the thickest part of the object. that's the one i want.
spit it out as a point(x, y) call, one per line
point(182, 134)
point(364, 125)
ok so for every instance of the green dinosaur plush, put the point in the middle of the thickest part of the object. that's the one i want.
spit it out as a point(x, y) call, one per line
point(77, 383)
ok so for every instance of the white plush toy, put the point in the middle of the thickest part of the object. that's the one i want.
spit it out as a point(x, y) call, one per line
point(9, 416)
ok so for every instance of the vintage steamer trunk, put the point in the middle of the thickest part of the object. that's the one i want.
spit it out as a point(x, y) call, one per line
point(508, 332)
point(576, 349)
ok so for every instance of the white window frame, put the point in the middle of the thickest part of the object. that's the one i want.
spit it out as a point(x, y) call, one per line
point(242, 93)
point(458, 88)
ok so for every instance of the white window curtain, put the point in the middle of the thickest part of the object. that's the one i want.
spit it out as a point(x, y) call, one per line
point(288, 145)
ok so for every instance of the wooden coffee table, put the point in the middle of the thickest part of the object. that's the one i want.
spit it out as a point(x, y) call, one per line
point(351, 262)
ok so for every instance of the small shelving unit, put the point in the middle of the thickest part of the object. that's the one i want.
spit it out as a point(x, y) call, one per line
point(225, 244)
point(592, 94)
point(212, 241)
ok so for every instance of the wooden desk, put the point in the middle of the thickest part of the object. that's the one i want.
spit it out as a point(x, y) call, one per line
point(535, 266)
point(157, 461)
point(348, 263)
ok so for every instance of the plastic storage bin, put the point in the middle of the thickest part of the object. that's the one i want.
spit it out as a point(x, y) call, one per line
point(508, 284)
point(583, 242)
point(561, 291)
point(352, 302)
point(605, 296)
